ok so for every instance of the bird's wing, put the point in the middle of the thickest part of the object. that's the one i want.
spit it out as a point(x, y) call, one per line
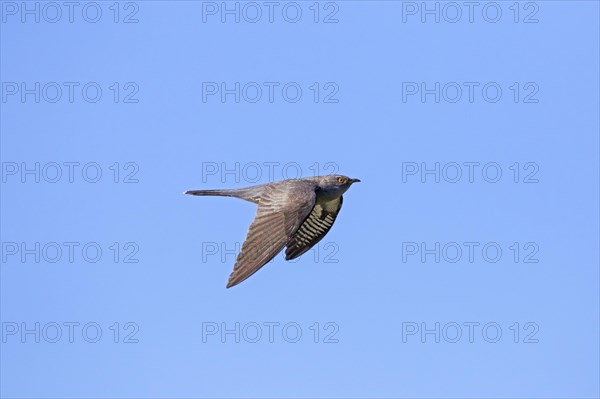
point(314, 228)
point(281, 211)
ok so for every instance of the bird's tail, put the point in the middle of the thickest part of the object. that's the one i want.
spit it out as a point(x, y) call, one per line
point(251, 194)
point(218, 193)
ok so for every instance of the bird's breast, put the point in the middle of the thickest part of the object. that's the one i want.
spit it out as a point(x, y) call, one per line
point(328, 202)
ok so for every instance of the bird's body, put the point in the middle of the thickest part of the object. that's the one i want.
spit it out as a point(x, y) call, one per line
point(294, 213)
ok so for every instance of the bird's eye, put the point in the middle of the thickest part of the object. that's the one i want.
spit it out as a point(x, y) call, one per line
point(341, 180)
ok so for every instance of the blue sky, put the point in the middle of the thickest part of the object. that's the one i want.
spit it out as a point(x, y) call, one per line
point(465, 264)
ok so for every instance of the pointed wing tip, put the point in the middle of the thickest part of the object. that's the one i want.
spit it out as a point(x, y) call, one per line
point(231, 283)
point(294, 255)
point(289, 255)
point(233, 280)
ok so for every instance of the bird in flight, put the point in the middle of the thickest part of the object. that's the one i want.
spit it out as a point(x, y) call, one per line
point(294, 213)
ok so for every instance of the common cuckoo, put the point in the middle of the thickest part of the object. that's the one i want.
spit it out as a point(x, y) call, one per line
point(294, 213)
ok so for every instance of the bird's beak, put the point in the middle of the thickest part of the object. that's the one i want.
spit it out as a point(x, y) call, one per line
point(355, 180)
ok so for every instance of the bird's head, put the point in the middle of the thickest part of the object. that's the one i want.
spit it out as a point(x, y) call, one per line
point(337, 184)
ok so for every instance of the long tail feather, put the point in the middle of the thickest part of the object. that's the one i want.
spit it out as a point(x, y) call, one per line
point(219, 193)
point(251, 194)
